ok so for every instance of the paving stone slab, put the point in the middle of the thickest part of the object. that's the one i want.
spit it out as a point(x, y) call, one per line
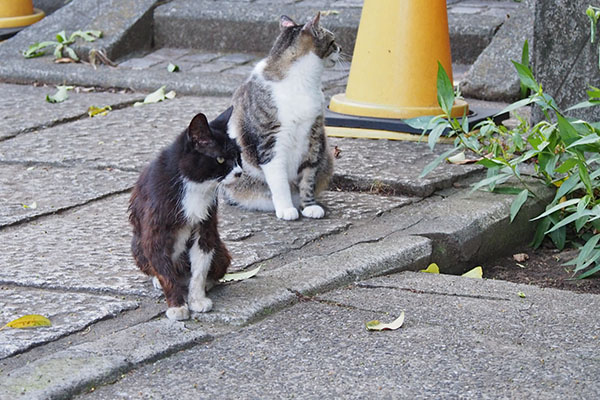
point(82, 249)
point(316, 350)
point(24, 108)
point(27, 192)
point(256, 236)
point(68, 312)
point(94, 253)
point(240, 303)
point(394, 166)
point(60, 375)
point(524, 315)
point(146, 341)
point(125, 139)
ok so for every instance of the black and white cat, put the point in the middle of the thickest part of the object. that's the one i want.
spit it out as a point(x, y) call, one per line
point(173, 211)
point(277, 121)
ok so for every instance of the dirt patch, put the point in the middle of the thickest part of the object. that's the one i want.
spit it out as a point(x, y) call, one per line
point(543, 267)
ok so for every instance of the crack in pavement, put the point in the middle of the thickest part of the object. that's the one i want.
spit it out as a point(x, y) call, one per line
point(416, 291)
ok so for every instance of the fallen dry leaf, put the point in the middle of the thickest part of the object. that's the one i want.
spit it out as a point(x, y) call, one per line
point(432, 269)
point(336, 152)
point(476, 272)
point(239, 276)
point(375, 325)
point(28, 321)
point(65, 60)
point(520, 257)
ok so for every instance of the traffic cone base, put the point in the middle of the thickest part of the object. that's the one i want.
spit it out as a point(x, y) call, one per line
point(18, 14)
point(343, 132)
point(340, 103)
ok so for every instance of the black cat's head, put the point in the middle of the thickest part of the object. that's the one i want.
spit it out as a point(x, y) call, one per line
point(295, 40)
point(208, 152)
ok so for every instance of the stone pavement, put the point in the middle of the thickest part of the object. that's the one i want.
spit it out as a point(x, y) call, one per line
point(296, 330)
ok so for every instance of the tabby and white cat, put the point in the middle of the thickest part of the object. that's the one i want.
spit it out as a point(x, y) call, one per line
point(173, 211)
point(277, 121)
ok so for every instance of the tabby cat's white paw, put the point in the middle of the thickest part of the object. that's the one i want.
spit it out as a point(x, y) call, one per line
point(288, 214)
point(201, 304)
point(314, 211)
point(178, 313)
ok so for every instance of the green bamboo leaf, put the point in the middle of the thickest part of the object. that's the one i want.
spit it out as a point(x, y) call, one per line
point(435, 134)
point(559, 236)
point(592, 138)
point(585, 176)
point(567, 131)
point(490, 163)
point(493, 180)
point(524, 61)
point(431, 166)
point(567, 187)
point(516, 105)
point(556, 208)
point(566, 221)
point(589, 272)
point(445, 90)
point(517, 203)
point(526, 77)
point(540, 232)
point(507, 190)
point(584, 104)
point(588, 254)
point(566, 166)
point(422, 123)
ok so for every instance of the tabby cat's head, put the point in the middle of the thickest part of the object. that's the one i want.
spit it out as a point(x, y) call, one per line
point(295, 41)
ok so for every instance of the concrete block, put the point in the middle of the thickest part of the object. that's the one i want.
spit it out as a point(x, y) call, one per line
point(565, 61)
point(68, 313)
point(25, 109)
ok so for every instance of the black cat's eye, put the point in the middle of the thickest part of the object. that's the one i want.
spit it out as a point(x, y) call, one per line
point(220, 160)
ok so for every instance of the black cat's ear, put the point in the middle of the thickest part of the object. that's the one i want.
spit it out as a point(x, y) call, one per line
point(199, 131)
point(286, 22)
point(312, 24)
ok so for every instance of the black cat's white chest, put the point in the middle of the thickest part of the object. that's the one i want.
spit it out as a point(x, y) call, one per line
point(197, 200)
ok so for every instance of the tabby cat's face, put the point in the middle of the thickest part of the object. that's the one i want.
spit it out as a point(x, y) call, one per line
point(296, 40)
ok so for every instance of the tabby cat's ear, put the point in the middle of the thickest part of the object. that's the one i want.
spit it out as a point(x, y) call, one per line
point(199, 131)
point(314, 23)
point(286, 22)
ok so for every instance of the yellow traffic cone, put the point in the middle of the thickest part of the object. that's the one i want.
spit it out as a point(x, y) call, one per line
point(393, 74)
point(16, 15)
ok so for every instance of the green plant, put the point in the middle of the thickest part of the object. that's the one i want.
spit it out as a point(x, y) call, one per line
point(593, 14)
point(62, 44)
point(564, 153)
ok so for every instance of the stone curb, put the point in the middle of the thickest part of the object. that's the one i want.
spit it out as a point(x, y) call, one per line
point(68, 372)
